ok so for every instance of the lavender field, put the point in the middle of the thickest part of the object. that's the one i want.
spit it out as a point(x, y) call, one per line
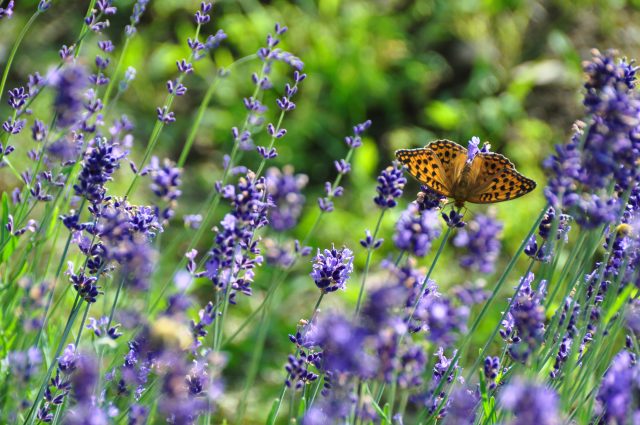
point(319, 212)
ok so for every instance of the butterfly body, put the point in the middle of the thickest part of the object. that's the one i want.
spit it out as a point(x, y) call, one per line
point(445, 167)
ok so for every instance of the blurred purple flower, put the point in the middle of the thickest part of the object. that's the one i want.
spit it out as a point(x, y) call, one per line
point(138, 9)
point(481, 239)
point(69, 82)
point(462, 406)
point(530, 403)
point(7, 11)
point(415, 230)
point(285, 189)
point(523, 327)
point(616, 392)
point(165, 184)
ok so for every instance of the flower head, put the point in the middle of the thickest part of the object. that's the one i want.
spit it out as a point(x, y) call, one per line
point(70, 83)
point(416, 230)
point(285, 189)
point(530, 403)
point(480, 239)
point(472, 149)
point(391, 182)
point(615, 394)
point(332, 268)
point(342, 344)
point(523, 327)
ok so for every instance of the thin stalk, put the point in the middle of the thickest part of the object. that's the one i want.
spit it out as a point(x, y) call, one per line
point(81, 327)
point(45, 381)
point(114, 76)
point(254, 366)
point(425, 281)
point(284, 387)
point(157, 129)
point(202, 109)
point(115, 301)
point(496, 329)
point(366, 265)
point(14, 49)
point(85, 29)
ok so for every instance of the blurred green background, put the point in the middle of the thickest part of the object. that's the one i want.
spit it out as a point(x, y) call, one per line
point(507, 71)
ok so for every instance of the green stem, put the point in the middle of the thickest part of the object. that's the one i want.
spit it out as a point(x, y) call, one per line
point(81, 328)
point(14, 49)
point(85, 29)
point(366, 265)
point(45, 381)
point(284, 387)
point(157, 129)
point(115, 301)
point(496, 329)
point(116, 72)
point(425, 282)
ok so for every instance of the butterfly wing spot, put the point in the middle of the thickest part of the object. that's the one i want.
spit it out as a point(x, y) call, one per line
point(452, 156)
point(425, 166)
point(446, 150)
point(510, 184)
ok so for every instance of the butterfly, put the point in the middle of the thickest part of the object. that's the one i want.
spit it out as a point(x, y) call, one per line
point(443, 166)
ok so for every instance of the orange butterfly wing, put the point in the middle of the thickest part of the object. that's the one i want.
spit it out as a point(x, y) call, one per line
point(452, 156)
point(425, 166)
point(495, 179)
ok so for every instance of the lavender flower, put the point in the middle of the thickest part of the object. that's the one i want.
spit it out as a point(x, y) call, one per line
point(523, 327)
point(99, 164)
point(39, 131)
point(481, 240)
point(235, 252)
point(138, 9)
point(369, 242)
point(415, 230)
point(354, 142)
point(543, 252)
point(428, 199)
point(285, 189)
point(332, 268)
point(491, 370)
point(438, 316)
point(58, 388)
point(462, 407)
point(342, 345)
point(165, 185)
point(17, 98)
point(83, 385)
point(70, 83)
point(530, 403)
point(454, 219)
point(609, 142)
point(24, 364)
point(615, 394)
point(7, 11)
point(101, 327)
point(391, 182)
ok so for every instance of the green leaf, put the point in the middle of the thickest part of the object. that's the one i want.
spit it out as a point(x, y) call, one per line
point(302, 408)
point(271, 419)
point(619, 302)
